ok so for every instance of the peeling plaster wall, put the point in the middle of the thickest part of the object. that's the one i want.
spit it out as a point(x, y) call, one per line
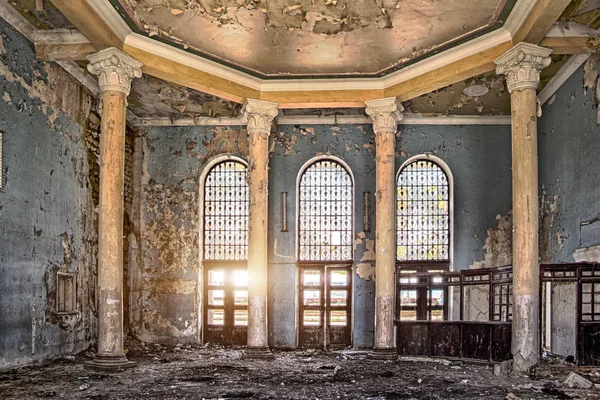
point(569, 172)
point(164, 294)
point(479, 158)
point(167, 300)
point(47, 218)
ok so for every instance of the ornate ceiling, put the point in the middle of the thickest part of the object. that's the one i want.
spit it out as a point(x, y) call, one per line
point(314, 38)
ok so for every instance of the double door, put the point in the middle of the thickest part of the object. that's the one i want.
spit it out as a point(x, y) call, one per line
point(226, 302)
point(325, 306)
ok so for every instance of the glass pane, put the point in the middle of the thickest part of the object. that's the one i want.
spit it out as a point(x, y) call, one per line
point(240, 318)
point(338, 298)
point(226, 212)
point(216, 297)
point(325, 212)
point(338, 318)
point(339, 278)
point(216, 317)
point(312, 297)
point(240, 278)
point(312, 318)
point(241, 297)
point(312, 278)
point(216, 277)
point(437, 297)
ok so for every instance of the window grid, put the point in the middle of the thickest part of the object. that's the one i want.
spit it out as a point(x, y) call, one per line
point(422, 212)
point(590, 301)
point(226, 212)
point(325, 217)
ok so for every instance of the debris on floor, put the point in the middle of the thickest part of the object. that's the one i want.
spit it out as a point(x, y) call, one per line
point(216, 372)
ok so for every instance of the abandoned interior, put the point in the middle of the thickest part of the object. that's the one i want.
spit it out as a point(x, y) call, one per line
point(299, 199)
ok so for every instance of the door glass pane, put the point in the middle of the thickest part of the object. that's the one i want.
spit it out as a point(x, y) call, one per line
point(312, 297)
point(312, 318)
point(241, 297)
point(240, 278)
point(312, 278)
point(338, 298)
point(216, 317)
point(240, 318)
point(338, 318)
point(216, 297)
point(339, 278)
point(216, 277)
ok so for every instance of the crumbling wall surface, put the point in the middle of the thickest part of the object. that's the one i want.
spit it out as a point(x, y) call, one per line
point(569, 172)
point(479, 158)
point(47, 218)
point(294, 146)
point(164, 295)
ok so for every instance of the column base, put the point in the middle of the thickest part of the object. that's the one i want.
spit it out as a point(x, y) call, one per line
point(260, 353)
point(109, 363)
point(383, 354)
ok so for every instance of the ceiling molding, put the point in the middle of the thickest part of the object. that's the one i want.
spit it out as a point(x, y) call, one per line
point(409, 119)
point(519, 14)
point(111, 17)
point(561, 76)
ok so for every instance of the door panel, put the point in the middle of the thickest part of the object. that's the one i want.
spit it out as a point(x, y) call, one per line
point(226, 303)
point(325, 306)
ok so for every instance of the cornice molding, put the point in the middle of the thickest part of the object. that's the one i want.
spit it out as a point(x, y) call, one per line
point(115, 69)
point(522, 65)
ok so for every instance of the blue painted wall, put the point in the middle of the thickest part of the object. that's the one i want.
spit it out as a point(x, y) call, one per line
point(569, 172)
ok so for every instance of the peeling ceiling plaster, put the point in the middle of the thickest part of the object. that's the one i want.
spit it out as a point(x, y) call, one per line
point(281, 38)
point(153, 97)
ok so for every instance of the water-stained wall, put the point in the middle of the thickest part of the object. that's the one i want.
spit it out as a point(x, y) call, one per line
point(47, 217)
point(165, 295)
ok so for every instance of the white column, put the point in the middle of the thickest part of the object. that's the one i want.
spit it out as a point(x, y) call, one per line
point(522, 65)
point(115, 71)
point(385, 114)
point(259, 116)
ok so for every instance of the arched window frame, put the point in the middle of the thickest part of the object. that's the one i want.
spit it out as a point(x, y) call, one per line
point(307, 165)
point(206, 170)
point(440, 163)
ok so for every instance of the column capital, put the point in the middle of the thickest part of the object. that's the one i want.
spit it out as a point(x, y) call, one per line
point(522, 65)
point(259, 115)
point(115, 69)
point(385, 113)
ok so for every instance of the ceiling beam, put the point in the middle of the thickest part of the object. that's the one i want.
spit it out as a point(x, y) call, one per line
point(571, 38)
point(88, 22)
point(62, 45)
point(539, 21)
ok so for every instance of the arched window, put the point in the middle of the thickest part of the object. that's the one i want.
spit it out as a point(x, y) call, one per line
point(225, 255)
point(423, 212)
point(226, 212)
point(325, 212)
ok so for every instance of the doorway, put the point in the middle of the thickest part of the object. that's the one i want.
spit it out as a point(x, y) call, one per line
point(325, 311)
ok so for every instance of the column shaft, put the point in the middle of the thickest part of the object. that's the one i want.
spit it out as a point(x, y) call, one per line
point(385, 240)
point(526, 281)
point(257, 241)
point(110, 229)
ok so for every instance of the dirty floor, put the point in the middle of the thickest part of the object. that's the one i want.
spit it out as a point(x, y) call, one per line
point(187, 372)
